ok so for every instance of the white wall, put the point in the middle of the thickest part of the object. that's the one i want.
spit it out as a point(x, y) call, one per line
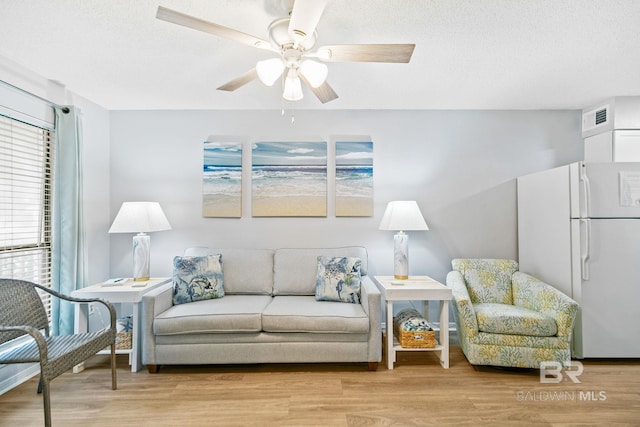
point(95, 143)
point(459, 165)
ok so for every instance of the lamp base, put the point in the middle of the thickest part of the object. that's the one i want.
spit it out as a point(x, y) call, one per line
point(141, 251)
point(401, 256)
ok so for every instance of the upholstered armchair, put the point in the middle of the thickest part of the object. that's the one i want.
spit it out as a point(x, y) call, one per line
point(505, 317)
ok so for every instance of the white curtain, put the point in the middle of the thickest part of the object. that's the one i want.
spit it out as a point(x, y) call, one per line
point(69, 266)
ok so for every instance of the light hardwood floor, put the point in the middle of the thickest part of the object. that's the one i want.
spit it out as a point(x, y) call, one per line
point(418, 392)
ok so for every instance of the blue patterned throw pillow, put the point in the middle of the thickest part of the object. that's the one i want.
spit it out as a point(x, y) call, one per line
point(338, 279)
point(197, 278)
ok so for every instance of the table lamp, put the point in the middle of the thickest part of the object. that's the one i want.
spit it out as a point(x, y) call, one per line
point(402, 216)
point(141, 218)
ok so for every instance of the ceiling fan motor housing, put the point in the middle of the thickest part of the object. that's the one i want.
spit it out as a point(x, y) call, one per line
point(280, 38)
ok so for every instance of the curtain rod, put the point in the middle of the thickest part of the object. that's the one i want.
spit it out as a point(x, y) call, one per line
point(62, 108)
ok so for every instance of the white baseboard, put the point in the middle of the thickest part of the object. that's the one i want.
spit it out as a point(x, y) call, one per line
point(15, 374)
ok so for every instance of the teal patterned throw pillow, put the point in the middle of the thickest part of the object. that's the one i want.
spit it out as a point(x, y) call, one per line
point(197, 278)
point(338, 279)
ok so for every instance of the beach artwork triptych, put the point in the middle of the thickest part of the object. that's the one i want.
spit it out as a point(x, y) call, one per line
point(288, 179)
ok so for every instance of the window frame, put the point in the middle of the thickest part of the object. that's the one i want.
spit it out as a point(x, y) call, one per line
point(27, 154)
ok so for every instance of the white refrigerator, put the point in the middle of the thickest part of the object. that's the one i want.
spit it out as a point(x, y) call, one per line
point(579, 230)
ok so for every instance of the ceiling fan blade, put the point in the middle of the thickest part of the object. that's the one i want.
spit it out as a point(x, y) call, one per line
point(305, 17)
point(211, 28)
point(324, 92)
point(366, 53)
point(239, 81)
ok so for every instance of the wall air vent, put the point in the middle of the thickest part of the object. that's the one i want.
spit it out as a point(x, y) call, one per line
point(601, 116)
point(595, 118)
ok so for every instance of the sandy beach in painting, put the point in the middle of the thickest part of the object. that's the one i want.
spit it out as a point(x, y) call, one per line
point(221, 206)
point(354, 178)
point(222, 179)
point(222, 191)
point(354, 206)
point(289, 179)
point(288, 205)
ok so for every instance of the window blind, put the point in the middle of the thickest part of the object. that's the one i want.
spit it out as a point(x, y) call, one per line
point(26, 185)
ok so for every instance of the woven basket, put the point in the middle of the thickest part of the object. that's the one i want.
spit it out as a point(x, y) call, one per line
point(123, 340)
point(412, 330)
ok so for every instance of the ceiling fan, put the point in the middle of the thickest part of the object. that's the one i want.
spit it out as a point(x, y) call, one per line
point(292, 39)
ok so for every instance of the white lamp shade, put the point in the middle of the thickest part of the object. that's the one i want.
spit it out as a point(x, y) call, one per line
point(140, 217)
point(403, 216)
point(292, 87)
point(270, 70)
point(314, 71)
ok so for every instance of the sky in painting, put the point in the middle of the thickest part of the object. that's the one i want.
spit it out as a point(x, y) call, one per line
point(289, 153)
point(223, 153)
point(354, 153)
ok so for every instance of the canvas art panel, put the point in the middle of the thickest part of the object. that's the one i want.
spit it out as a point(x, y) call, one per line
point(354, 178)
point(222, 180)
point(289, 179)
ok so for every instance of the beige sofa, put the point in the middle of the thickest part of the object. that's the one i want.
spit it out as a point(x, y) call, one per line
point(269, 314)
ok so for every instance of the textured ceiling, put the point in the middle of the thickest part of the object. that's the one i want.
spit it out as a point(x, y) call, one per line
point(470, 54)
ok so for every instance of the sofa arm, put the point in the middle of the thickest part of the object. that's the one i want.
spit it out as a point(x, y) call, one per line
point(371, 301)
point(464, 312)
point(154, 302)
point(534, 294)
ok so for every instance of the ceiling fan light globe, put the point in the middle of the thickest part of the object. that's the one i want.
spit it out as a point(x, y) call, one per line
point(292, 88)
point(269, 70)
point(314, 71)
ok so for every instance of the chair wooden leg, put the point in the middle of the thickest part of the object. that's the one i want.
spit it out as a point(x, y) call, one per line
point(373, 366)
point(114, 381)
point(47, 403)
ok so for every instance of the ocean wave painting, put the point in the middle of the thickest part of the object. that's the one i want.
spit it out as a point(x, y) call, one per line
point(289, 179)
point(222, 180)
point(354, 178)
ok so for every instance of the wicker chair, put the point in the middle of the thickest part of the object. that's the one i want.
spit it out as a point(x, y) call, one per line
point(22, 313)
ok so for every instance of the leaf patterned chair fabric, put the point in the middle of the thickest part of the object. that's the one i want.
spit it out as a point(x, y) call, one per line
point(505, 317)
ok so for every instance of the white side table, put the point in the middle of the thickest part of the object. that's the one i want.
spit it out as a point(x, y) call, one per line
point(421, 288)
point(126, 291)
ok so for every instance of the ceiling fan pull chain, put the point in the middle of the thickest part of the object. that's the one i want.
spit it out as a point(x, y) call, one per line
point(282, 101)
point(292, 107)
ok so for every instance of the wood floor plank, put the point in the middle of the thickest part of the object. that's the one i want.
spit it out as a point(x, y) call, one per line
point(418, 392)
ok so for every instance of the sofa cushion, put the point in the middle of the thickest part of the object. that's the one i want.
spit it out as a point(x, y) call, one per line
point(289, 313)
point(246, 271)
point(487, 280)
point(295, 269)
point(231, 314)
point(338, 279)
point(197, 278)
point(514, 320)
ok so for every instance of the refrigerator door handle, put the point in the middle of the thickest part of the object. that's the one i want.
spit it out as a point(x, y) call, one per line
point(585, 211)
point(586, 252)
